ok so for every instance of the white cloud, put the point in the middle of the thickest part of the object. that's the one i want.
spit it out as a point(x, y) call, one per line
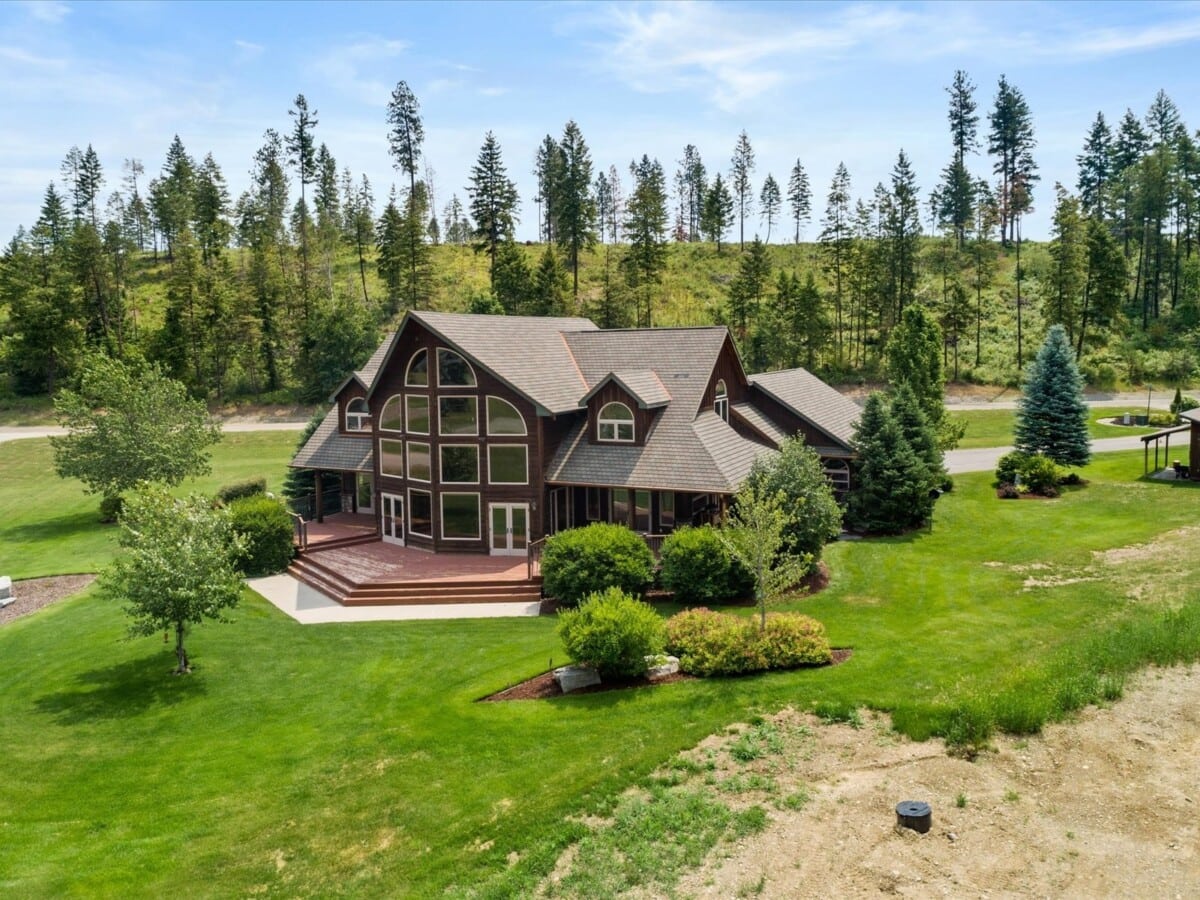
point(493, 91)
point(247, 50)
point(25, 58)
point(49, 11)
point(353, 68)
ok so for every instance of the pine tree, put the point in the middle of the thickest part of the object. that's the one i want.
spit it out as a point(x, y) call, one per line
point(1129, 148)
point(1095, 169)
point(835, 241)
point(799, 197)
point(576, 213)
point(770, 200)
point(549, 297)
point(902, 235)
point(1107, 276)
point(301, 155)
point(512, 284)
point(493, 198)
point(892, 485)
point(914, 357)
point(406, 136)
point(646, 231)
point(1011, 141)
point(957, 191)
point(211, 209)
point(920, 434)
point(548, 166)
point(1052, 416)
point(739, 179)
point(389, 234)
point(694, 179)
point(1162, 119)
point(1066, 279)
point(718, 211)
point(602, 191)
point(746, 289)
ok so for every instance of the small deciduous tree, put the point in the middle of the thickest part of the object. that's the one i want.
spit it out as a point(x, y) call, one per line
point(798, 476)
point(755, 531)
point(127, 425)
point(176, 567)
point(1051, 415)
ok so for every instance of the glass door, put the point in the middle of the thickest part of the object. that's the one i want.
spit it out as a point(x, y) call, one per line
point(393, 518)
point(365, 493)
point(510, 529)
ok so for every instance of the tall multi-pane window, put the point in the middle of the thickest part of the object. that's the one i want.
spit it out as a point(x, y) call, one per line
point(721, 403)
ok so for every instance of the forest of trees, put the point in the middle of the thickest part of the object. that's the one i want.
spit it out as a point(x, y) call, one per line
point(280, 291)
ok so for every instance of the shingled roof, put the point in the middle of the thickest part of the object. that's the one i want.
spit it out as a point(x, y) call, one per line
point(366, 375)
point(529, 354)
point(683, 451)
point(812, 400)
point(329, 449)
point(645, 387)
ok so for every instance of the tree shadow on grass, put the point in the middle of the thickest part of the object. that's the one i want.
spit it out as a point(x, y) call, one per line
point(121, 691)
point(59, 527)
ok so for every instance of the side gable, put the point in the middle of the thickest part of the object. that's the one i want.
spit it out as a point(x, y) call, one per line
point(825, 416)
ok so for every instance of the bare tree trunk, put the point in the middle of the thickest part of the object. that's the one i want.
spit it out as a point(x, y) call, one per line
point(183, 667)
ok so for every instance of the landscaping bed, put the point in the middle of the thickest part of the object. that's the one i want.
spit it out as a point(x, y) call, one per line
point(35, 593)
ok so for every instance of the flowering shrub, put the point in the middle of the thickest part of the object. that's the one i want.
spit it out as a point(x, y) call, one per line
point(712, 643)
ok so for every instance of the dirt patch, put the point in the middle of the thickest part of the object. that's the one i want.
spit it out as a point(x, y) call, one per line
point(1103, 806)
point(35, 593)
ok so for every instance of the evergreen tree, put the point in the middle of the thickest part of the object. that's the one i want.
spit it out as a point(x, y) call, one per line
point(902, 235)
point(211, 209)
point(646, 231)
point(1068, 271)
point(406, 135)
point(835, 245)
point(957, 200)
point(360, 222)
point(746, 289)
point(1011, 141)
point(718, 211)
point(694, 180)
point(914, 357)
point(512, 284)
point(1162, 119)
point(799, 197)
point(301, 154)
point(1104, 286)
point(739, 179)
point(604, 202)
point(1095, 169)
point(920, 434)
point(493, 198)
point(770, 200)
point(800, 326)
point(549, 296)
point(548, 167)
point(576, 213)
point(1130, 146)
point(389, 235)
point(892, 484)
point(1052, 417)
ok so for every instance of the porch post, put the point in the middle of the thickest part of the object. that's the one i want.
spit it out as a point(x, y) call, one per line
point(320, 512)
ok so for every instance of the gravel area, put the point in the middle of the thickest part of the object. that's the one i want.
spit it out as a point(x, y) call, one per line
point(34, 593)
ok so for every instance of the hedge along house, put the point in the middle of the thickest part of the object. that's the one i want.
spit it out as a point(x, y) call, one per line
point(481, 434)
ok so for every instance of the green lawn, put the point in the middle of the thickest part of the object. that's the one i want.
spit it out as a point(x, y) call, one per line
point(994, 427)
point(48, 525)
point(354, 760)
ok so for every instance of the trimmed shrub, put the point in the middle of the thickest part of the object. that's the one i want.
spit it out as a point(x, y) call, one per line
point(712, 643)
point(588, 560)
point(698, 568)
point(251, 487)
point(1041, 475)
point(267, 527)
point(111, 509)
point(1010, 466)
point(613, 633)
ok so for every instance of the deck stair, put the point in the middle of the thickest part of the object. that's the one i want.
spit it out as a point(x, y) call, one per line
point(310, 569)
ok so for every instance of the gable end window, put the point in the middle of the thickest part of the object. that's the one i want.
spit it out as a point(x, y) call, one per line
point(358, 416)
point(389, 419)
point(504, 418)
point(453, 370)
point(721, 401)
point(418, 370)
point(615, 423)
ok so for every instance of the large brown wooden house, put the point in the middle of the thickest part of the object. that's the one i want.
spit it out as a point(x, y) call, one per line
point(483, 433)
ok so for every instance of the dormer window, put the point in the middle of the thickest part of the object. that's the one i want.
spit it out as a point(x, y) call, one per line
point(358, 416)
point(615, 423)
point(721, 403)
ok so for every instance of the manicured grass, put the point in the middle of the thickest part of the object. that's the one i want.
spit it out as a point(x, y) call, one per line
point(49, 526)
point(354, 760)
point(994, 427)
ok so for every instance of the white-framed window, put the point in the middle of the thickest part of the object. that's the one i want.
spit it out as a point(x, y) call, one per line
point(721, 401)
point(641, 511)
point(458, 416)
point(460, 517)
point(508, 464)
point(419, 468)
point(417, 373)
point(453, 370)
point(391, 458)
point(416, 409)
point(666, 510)
point(615, 423)
point(838, 473)
point(458, 463)
point(389, 419)
point(358, 415)
point(420, 513)
point(504, 418)
point(619, 506)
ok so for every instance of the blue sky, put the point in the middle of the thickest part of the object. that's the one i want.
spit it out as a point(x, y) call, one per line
point(822, 82)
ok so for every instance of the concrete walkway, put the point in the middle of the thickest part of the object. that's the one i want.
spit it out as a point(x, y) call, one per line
point(309, 606)
point(984, 459)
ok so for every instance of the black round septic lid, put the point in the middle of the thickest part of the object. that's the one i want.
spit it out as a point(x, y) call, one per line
point(912, 809)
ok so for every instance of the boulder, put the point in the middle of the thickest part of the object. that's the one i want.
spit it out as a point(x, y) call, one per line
point(661, 666)
point(573, 678)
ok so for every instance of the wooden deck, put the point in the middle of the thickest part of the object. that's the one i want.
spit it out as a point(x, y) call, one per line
point(339, 527)
point(378, 573)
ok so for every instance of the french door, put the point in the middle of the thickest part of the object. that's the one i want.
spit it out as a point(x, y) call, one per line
point(393, 518)
point(510, 528)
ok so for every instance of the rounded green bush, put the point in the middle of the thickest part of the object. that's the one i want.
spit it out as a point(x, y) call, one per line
point(267, 527)
point(698, 568)
point(584, 561)
point(251, 487)
point(712, 643)
point(111, 509)
point(613, 633)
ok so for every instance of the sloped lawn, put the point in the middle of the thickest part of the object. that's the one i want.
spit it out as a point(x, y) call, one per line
point(354, 760)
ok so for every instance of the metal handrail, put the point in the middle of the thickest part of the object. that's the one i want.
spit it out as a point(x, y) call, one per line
point(533, 558)
point(300, 531)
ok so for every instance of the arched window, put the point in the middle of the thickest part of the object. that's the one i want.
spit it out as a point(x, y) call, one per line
point(418, 370)
point(615, 423)
point(504, 418)
point(358, 415)
point(389, 419)
point(453, 370)
point(721, 403)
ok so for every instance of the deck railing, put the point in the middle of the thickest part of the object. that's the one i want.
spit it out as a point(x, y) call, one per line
point(655, 543)
point(534, 558)
point(300, 531)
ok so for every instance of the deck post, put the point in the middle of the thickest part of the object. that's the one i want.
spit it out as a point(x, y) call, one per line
point(319, 514)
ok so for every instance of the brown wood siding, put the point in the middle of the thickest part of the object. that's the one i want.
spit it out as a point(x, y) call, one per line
point(390, 382)
point(1194, 450)
point(352, 391)
point(729, 370)
point(614, 393)
point(789, 421)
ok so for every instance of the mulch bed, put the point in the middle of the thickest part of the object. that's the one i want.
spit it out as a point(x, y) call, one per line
point(543, 687)
point(35, 593)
